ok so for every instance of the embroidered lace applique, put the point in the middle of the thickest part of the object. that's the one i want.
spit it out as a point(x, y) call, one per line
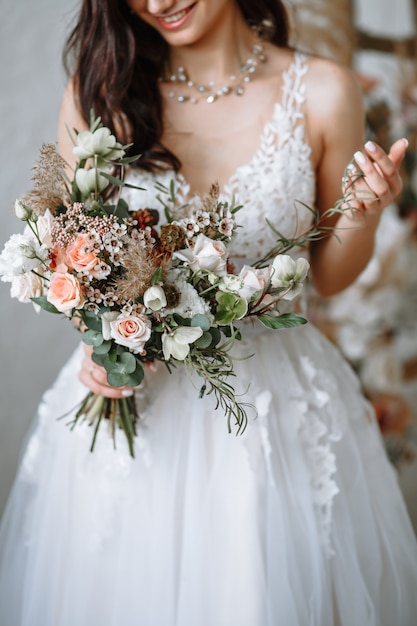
point(318, 430)
point(271, 186)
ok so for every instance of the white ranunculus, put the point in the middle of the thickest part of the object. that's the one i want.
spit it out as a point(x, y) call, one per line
point(90, 180)
point(206, 255)
point(253, 280)
point(289, 274)
point(231, 283)
point(154, 298)
point(27, 286)
point(21, 254)
point(100, 143)
point(177, 343)
point(129, 330)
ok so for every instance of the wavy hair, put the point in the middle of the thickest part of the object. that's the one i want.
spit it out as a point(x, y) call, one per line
point(115, 60)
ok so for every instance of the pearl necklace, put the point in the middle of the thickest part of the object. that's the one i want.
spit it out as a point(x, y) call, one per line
point(210, 92)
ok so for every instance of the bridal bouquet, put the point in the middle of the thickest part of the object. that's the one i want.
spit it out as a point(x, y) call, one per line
point(141, 291)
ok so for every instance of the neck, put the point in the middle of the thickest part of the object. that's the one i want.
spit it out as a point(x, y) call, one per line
point(217, 55)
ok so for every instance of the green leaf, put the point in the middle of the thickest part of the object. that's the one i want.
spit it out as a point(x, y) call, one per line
point(92, 338)
point(181, 321)
point(118, 182)
point(92, 321)
point(98, 359)
point(157, 276)
point(204, 341)
point(128, 160)
point(216, 336)
point(117, 379)
point(286, 320)
point(201, 321)
point(124, 379)
point(45, 305)
point(103, 348)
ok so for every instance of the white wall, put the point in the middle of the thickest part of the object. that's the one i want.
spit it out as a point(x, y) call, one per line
point(32, 347)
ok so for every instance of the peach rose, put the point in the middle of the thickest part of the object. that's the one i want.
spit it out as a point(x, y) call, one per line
point(65, 292)
point(80, 256)
point(132, 331)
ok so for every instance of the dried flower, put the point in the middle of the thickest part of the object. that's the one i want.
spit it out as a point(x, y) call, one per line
point(49, 189)
point(172, 238)
point(139, 267)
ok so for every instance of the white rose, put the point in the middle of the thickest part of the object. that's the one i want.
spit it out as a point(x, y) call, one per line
point(253, 280)
point(22, 212)
point(206, 255)
point(21, 254)
point(100, 143)
point(154, 298)
point(129, 330)
point(288, 274)
point(45, 224)
point(177, 343)
point(27, 286)
point(90, 180)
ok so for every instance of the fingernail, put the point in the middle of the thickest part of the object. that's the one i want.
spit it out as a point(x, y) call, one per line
point(126, 393)
point(370, 146)
point(360, 158)
point(405, 140)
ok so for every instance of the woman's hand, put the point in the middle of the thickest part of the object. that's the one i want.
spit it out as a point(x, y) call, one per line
point(382, 181)
point(95, 378)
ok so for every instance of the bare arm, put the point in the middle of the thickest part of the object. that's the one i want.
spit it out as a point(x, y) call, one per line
point(69, 118)
point(339, 119)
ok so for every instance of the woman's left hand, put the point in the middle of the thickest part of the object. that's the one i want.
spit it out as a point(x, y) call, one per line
point(381, 182)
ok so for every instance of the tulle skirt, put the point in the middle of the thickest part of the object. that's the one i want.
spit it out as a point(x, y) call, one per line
point(297, 522)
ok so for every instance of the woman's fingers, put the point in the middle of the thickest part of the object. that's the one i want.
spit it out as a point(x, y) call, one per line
point(95, 378)
point(381, 182)
point(398, 150)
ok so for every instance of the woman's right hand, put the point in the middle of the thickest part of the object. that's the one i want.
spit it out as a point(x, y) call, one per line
point(94, 377)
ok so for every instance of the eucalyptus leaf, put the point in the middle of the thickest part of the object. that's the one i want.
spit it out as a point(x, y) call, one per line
point(125, 363)
point(181, 321)
point(204, 341)
point(98, 359)
point(216, 336)
point(92, 322)
point(103, 348)
point(117, 379)
point(201, 321)
point(92, 338)
point(123, 379)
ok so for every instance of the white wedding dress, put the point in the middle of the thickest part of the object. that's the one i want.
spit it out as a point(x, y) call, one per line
point(298, 522)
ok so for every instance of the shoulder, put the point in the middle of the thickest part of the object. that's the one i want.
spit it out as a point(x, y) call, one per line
point(332, 90)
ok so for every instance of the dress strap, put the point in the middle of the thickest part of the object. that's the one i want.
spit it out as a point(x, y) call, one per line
point(294, 88)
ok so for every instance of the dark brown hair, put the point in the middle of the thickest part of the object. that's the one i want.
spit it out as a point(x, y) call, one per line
point(115, 59)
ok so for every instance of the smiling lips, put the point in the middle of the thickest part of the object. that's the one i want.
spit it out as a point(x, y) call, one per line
point(175, 20)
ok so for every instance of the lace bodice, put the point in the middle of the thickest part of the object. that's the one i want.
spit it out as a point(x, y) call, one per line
point(270, 186)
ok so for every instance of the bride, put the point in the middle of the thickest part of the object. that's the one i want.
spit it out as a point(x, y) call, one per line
point(300, 520)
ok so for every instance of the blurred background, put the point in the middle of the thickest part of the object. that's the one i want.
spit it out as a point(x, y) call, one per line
point(374, 322)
